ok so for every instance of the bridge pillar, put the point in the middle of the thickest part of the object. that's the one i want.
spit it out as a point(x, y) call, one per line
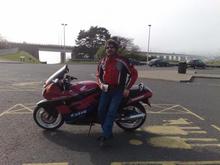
point(62, 57)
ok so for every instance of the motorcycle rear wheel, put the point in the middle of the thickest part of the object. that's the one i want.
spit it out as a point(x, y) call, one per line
point(46, 120)
point(131, 124)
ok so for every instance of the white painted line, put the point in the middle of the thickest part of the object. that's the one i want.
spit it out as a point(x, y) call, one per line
point(8, 110)
point(216, 127)
point(205, 145)
point(168, 108)
point(201, 139)
point(166, 113)
point(65, 163)
point(190, 127)
point(19, 113)
point(156, 105)
point(26, 108)
point(192, 113)
point(197, 132)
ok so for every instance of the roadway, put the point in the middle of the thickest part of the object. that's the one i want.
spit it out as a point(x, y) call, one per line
point(182, 125)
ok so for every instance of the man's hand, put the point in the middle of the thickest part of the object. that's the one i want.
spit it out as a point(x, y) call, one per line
point(104, 87)
point(126, 92)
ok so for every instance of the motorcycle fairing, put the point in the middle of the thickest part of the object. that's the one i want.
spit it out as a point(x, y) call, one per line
point(139, 93)
point(59, 74)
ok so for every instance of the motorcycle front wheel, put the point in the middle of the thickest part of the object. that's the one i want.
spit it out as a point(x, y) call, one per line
point(46, 120)
point(131, 117)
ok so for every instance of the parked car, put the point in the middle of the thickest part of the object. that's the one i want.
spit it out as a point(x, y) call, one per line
point(136, 62)
point(197, 64)
point(158, 62)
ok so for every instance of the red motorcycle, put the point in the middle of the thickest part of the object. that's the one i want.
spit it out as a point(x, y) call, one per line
point(77, 102)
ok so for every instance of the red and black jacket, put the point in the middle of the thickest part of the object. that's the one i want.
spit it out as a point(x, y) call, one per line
point(116, 71)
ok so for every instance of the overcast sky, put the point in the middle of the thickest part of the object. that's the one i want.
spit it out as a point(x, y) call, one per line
point(178, 26)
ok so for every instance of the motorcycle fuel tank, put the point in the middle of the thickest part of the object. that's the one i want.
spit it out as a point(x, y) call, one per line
point(83, 86)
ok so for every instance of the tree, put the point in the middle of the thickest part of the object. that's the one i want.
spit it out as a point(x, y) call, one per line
point(3, 43)
point(88, 42)
point(127, 48)
point(126, 43)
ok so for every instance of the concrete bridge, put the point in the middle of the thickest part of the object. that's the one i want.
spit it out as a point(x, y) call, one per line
point(35, 48)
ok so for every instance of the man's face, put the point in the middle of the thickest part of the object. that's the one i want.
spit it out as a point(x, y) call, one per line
point(110, 50)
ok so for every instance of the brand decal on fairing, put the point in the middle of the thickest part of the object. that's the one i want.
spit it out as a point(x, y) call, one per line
point(78, 113)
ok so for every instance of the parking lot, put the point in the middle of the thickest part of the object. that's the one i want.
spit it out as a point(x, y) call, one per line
point(182, 126)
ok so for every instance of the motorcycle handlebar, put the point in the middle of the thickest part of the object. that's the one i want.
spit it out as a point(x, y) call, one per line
point(70, 77)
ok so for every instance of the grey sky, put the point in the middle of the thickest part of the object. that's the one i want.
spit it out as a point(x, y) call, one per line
point(178, 26)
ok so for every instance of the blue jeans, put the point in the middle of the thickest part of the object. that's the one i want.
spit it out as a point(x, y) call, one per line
point(108, 105)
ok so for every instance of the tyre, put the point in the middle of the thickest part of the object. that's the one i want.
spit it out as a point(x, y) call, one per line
point(46, 120)
point(131, 124)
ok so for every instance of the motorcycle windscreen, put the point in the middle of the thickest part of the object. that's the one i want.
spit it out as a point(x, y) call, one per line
point(59, 74)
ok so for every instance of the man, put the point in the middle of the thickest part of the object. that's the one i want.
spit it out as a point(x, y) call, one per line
point(115, 76)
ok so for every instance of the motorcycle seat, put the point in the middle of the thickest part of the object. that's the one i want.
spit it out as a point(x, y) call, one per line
point(134, 90)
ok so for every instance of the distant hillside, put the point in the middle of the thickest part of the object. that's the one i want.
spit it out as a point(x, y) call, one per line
point(20, 56)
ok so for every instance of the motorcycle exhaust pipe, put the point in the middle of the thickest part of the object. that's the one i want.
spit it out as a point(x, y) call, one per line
point(133, 117)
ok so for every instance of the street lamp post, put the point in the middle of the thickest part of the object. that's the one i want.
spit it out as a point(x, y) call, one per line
point(64, 35)
point(63, 56)
point(148, 47)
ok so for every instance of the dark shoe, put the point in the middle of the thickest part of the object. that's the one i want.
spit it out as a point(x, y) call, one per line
point(110, 137)
point(102, 141)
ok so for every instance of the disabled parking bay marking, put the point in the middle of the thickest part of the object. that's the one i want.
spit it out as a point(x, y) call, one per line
point(170, 109)
point(18, 109)
point(181, 132)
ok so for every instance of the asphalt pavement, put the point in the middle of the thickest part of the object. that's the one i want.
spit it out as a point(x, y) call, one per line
point(173, 75)
point(182, 126)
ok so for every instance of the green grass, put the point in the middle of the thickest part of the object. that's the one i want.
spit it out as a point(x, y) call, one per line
point(21, 56)
point(214, 63)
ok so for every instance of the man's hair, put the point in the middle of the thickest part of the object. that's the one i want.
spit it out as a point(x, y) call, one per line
point(112, 42)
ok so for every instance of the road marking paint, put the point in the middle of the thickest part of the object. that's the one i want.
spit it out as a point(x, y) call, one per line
point(65, 163)
point(205, 145)
point(190, 128)
point(135, 142)
point(169, 142)
point(21, 105)
point(180, 121)
point(27, 108)
point(197, 132)
point(201, 139)
point(192, 113)
point(8, 110)
point(165, 113)
point(170, 108)
point(12, 110)
point(214, 162)
point(21, 109)
point(216, 127)
point(165, 130)
point(19, 113)
point(160, 105)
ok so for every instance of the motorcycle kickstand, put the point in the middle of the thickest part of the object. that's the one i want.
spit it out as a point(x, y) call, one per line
point(90, 127)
